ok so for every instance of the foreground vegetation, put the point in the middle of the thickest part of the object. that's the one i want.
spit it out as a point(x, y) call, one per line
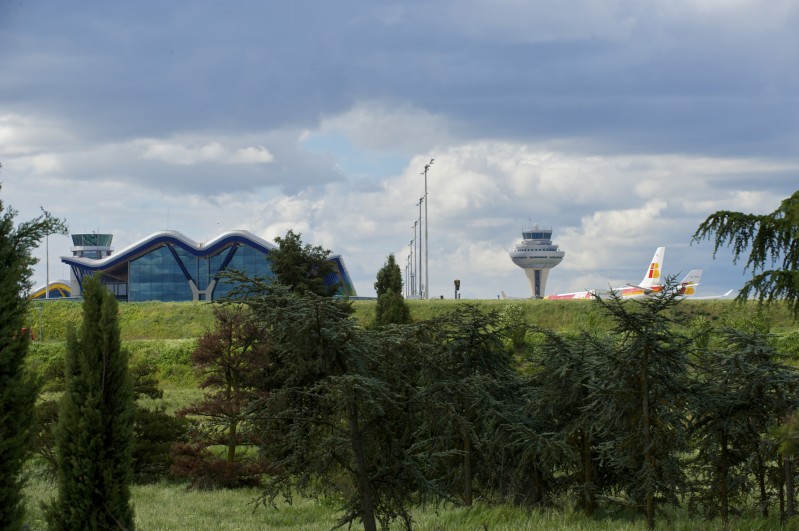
point(171, 358)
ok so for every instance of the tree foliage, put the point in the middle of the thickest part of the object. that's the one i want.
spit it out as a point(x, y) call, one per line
point(742, 390)
point(94, 437)
point(472, 400)
point(232, 360)
point(770, 239)
point(639, 399)
point(17, 390)
point(340, 413)
point(302, 267)
point(391, 307)
point(389, 278)
point(562, 389)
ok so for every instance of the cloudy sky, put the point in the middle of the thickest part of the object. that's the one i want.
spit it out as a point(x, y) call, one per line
point(621, 124)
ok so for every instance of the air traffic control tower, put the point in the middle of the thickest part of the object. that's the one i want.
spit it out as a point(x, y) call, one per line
point(94, 246)
point(536, 254)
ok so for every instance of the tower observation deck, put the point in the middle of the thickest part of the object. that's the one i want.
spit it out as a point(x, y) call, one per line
point(536, 254)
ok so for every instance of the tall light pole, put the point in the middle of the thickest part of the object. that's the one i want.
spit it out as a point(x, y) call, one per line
point(47, 268)
point(414, 243)
point(408, 276)
point(419, 254)
point(426, 255)
point(413, 274)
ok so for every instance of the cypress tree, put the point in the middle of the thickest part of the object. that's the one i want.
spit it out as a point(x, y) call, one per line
point(94, 436)
point(17, 391)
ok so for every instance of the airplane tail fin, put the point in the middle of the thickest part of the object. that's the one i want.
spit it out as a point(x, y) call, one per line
point(653, 273)
point(689, 283)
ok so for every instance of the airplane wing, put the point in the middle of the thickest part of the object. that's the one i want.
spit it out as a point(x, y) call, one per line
point(713, 297)
point(646, 289)
point(570, 296)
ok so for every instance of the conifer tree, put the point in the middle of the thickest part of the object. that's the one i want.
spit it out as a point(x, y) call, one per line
point(561, 389)
point(468, 387)
point(340, 412)
point(233, 361)
point(302, 267)
point(770, 239)
point(17, 391)
point(94, 436)
point(639, 399)
point(391, 306)
point(742, 390)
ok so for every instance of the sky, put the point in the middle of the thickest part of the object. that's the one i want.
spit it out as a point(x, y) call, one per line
point(620, 124)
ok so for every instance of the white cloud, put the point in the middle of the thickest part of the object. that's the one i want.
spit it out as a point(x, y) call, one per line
point(184, 154)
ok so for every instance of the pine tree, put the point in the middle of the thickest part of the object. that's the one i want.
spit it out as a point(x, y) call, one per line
point(391, 306)
point(94, 436)
point(769, 239)
point(17, 390)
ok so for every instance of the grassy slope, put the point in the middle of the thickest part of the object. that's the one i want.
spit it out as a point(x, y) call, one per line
point(185, 320)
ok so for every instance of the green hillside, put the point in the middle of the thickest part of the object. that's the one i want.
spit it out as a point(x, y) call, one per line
point(185, 320)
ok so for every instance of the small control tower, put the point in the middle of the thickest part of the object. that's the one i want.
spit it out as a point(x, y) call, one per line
point(94, 246)
point(536, 254)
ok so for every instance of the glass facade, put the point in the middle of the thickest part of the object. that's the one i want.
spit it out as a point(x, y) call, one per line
point(247, 260)
point(537, 235)
point(157, 275)
point(92, 240)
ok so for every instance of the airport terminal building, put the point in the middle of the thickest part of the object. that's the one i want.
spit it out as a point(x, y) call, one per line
point(168, 266)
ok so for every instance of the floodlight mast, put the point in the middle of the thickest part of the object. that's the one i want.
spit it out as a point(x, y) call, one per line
point(426, 255)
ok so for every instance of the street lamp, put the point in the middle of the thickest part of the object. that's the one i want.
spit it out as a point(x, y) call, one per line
point(426, 255)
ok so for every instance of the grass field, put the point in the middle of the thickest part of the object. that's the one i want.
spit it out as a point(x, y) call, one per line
point(184, 320)
point(168, 506)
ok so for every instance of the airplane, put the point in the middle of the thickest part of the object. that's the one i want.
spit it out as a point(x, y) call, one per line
point(648, 285)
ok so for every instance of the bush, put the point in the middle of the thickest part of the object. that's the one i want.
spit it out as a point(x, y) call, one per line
point(204, 470)
point(154, 433)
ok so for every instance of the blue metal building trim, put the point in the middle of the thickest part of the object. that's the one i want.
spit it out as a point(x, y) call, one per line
point(201, 252)
point(226, 261)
